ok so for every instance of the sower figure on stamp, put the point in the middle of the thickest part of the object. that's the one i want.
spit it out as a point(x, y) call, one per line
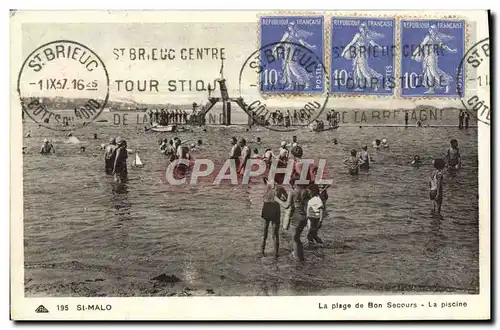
point(428, 54)
point(294, 75)
point(356, 51)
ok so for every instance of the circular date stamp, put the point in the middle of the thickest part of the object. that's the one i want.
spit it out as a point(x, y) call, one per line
point(475, 65)
point(261, 96)
point(63, 85)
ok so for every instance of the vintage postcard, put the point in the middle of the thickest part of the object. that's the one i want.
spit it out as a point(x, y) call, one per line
point(250, 165)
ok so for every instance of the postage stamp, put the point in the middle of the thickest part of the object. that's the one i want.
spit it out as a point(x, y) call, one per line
point(362, 55)
point(431, 52)
point(294, 72)
point(304, 112)
point(169, 165)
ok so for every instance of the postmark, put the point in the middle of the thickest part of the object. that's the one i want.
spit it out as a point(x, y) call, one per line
point(300, 112)
point(475, 92)
point(291, 76)
point(363, 56)
point(431, 51)
point(63, 85)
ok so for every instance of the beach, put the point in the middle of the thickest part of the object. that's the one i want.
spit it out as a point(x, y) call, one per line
point(85, 235)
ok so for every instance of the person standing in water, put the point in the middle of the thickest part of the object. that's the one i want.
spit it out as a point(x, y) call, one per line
point(467, 118)
point(47, 147)
point(109, 156)
point(365, 158)
point(453, 158)
point(235, 152)
point(120, 171)
point(270, 214)
point(353, 163)
point(245, 155)
point(436, 186)
point(406, 119)
point(315, 214)
point(297, 202)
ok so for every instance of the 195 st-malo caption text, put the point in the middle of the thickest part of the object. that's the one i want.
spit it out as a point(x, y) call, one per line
point(391, 304)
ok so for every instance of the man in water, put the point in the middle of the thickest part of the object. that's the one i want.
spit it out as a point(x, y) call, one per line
point(406, 119)
point(47, 147)
point(365, 158)
point(416, 161)
point(283, 152)
point(120, 171)
point(245, 155)
point(235, 152)
point(109, 156)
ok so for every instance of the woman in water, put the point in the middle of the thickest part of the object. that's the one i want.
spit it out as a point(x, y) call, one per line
point(270, 214)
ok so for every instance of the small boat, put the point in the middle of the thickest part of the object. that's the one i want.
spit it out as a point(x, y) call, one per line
point(138, 162)
point(166, 128)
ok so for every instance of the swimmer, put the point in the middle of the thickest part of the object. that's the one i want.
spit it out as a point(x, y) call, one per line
point(70, 134)
point(109, 156)
point(28, 134)
point(353, 163)
point(453, 158)
point(335, 141)
point(192, 147)
point(436, 186)
point(283, 151)
point(95, 136)
point(416, 161)
point(255, 153)
point(294, 139)
point(258, 141)
point(384, 143)
point(376, 144)
point(82, 149)
point(200, 142)
point(365, 159)
point(47, 147)
point(24, 150)
point(164, 145)
point(268, 156)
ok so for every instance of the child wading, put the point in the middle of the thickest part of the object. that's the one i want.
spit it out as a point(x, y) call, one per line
point(453, 156)
point(436, 186)
point(315, 214)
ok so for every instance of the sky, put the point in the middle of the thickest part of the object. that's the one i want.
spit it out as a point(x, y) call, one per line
point(238, 39)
